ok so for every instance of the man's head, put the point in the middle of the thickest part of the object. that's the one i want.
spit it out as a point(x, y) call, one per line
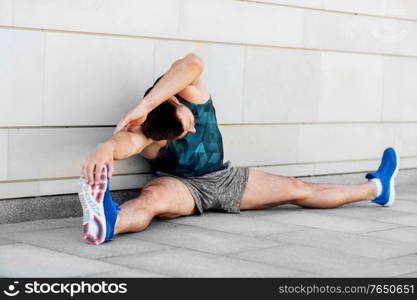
point(169, 120)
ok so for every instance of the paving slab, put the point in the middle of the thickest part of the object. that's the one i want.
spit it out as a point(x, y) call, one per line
point(401, 234)
point(34, 225)
point(374, 213)
point(405, 220)
point(310, 218)
point(325, 262)
point(271, 211)
point(126, 273)
point(201, 239)
point(406, 196)
point(189, 263)
point(69, 240)
point(405, 259)
point(406, 206)
point(21, 260)
point(408, 275)
point(348, 243)
point(6, 241)
point(409, 189)
point(234, 223)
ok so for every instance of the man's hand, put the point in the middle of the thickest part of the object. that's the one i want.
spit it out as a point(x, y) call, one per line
point(94, 163)
point(132, 120)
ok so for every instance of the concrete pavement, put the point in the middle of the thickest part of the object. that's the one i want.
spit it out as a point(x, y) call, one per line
point(360, 239)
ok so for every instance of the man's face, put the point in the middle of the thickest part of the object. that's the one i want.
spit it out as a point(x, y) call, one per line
point(185, 116)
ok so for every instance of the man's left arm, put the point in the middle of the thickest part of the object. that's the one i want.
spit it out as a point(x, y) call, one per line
point(183, 72)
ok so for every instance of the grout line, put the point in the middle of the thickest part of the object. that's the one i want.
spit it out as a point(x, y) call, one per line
point(180, 22)
point(332, 10)
point(13, 9)
point(409, 273)
point(201, 41)
point(7, 164)
point(43, 78)
point(226, 124)
point(243, 100)
point(321, 123)
point(64, 178)
point(383, 91)
point(123, 268)
point(56, 126)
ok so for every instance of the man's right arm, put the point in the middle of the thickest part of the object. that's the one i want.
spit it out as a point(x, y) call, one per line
point(119, 146)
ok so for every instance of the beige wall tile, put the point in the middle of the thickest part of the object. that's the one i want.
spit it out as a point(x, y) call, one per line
point(214, 20)
point(94, 80)
point(350, 87)
point(406, 137)
point(274, 25)
point(289, 170)
point(281, 85)
point(372, 7)
point(68, 186)
point(58, 152)
point(241, 22)
point(10, 190)
point(21, 77)
point(4, 149)
point(402, 8)
point(400, 89)
point(337, 31)
point(342, 167)
point(303, 3)
point(256, 145)
point(138, 17)
point(329, 142)
point(407, 36)
point(6, 12)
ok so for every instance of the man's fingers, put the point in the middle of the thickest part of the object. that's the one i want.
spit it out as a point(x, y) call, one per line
point(129, 127)
point(90, 173)
point(110, 169)
point(119, 126)
point(123, 122)
point(83, 174)
point(133, 126)
point(117, 129)
point(97, 173)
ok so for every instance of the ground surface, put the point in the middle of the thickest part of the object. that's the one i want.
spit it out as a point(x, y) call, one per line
point(356, 240)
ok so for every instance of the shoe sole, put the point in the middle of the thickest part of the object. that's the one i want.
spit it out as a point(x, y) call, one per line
point(391, 199)
point(93, 212)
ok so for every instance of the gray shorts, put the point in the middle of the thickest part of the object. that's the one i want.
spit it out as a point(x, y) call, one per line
point(220, 190)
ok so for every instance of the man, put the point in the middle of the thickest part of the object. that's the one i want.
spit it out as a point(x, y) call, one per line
point(174, 127)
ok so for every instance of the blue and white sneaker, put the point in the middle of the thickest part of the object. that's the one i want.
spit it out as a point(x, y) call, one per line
point(99, 211)
point(386, 173)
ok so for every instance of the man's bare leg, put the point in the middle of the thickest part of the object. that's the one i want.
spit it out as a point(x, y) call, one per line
point(163, 197)
point(266, 190)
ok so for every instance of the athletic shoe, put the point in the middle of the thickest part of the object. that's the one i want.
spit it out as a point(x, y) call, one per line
point(386, 173)
point(99, 210)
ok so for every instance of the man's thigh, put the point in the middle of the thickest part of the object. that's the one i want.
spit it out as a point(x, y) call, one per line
point(170, 197)
point(264, 190)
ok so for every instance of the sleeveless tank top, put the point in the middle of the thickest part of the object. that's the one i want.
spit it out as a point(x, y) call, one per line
point(195, 154)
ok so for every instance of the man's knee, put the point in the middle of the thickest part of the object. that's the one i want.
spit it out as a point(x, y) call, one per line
point(300, 190)
point(153, 198)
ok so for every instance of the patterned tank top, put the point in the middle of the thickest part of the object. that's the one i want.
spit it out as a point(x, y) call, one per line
point(195, 154)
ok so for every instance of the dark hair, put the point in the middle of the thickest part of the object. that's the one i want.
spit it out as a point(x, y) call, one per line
point(162, 123)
